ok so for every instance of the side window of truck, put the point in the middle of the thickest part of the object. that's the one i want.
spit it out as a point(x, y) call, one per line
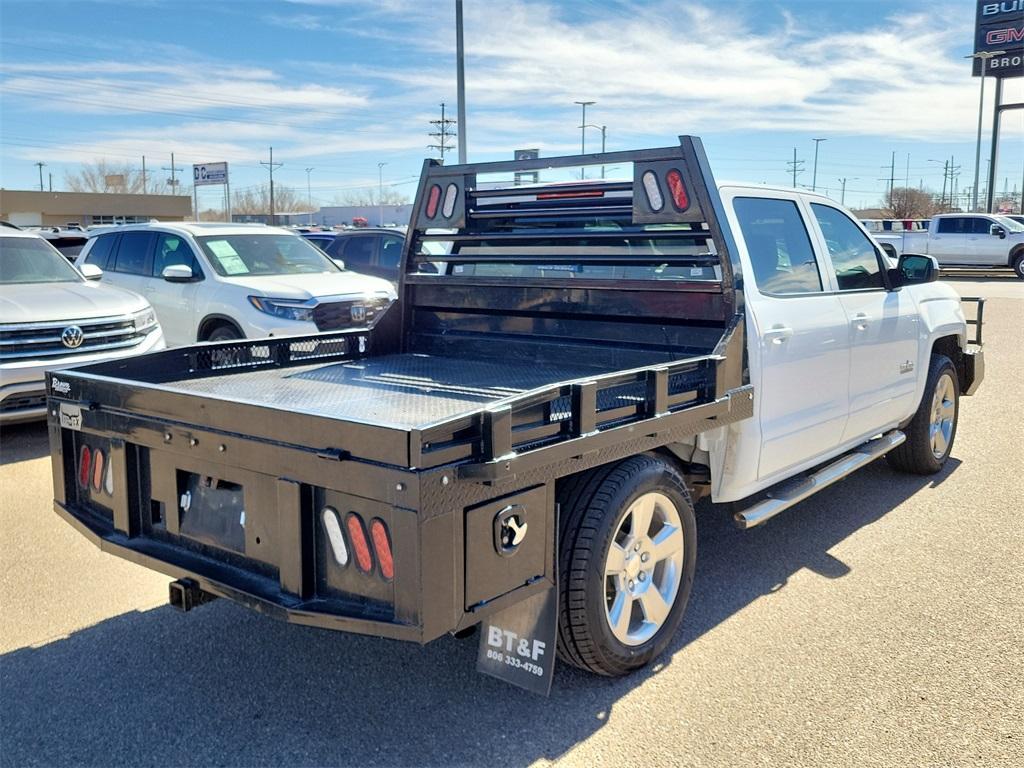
point(779, 246)
point(953, 226)
point(853, 255)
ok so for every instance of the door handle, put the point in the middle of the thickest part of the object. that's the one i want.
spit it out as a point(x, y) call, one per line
point(777, 334)
point(861, 321)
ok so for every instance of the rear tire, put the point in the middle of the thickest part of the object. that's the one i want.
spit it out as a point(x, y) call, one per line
point(619, 608)
point(1018, 264)
point(932, 430)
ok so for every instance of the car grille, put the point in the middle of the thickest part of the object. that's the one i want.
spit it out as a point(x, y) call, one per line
point(335, 315)
point(23, 401)
point(27, 341)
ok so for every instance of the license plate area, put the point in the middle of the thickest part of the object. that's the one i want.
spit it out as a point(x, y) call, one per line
point(211, 510)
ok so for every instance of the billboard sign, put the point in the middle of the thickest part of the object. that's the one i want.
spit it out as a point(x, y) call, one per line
point(999, 26)
point(209, 173)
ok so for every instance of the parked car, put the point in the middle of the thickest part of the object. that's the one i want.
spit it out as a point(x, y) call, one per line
point(213, 282)
point(521, 443)
point(51, 318)
point(369, 250)
point(964, 240)
point(69, 241)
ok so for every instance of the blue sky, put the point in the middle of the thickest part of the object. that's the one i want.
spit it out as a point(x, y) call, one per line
point(340, 86)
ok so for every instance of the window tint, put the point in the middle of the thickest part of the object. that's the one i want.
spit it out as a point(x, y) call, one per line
point(172, 250)
point(33, 260)
point(133, 252)
point(953, 226)
point(99, 254)
point(390, 252)
point(853, 254)
point(981, 226)
point(358, 252)
point(779, 246)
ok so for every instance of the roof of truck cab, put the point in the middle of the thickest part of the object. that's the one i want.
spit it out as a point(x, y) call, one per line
point(197, 229)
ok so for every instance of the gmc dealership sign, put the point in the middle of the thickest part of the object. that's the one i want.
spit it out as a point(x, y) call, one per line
point(1000, 27)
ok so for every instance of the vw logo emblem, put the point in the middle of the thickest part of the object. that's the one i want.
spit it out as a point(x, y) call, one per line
point(72, 337)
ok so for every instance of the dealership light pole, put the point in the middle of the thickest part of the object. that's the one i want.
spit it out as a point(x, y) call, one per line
point(604, 135)
point(460, 81)
point(814, 173)
point(309, 194)
point(583, 133)
point(380, 192)
point(984, 56)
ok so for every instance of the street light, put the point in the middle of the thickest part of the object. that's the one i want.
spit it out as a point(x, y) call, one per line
point(583, 133)
point(380, 193)
point(984, 56)
point(604, 135)
point(814, 175)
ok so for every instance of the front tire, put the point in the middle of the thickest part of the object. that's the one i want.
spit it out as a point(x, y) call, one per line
point(1018, 264)
point(626, 563)
point(932, 430)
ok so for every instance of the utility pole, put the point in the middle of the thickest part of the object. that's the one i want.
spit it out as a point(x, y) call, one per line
point(945, 178)
point(442, 134)
point(309, 194)
point(892, 174)
point(51, 181)
point(270, 167)
point(174, 180)
point(795, 167)
point(143, 174)
point(583, 133)
point(814, 175)
point(40, 165)
point(380, 193)
point(842, 195)
point(460, 80)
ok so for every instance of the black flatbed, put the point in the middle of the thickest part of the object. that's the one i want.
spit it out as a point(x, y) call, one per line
point(399, 391)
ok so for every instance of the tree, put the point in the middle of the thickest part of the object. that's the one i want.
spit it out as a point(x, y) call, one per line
point(372, 196)
point(255, 200)
point(124, 178)
point(910, 203)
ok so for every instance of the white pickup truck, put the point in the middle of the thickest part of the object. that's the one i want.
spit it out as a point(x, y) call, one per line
point(964, 240)
point(518, 442)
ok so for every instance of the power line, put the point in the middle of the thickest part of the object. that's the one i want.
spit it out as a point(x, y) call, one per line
point(442, 134)
point(795, 166)
point(270, 167)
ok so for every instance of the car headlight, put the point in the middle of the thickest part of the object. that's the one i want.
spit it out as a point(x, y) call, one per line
point(144, 320)
point(289, 309)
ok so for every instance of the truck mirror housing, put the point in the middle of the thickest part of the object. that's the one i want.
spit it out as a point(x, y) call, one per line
point(915, 268)
point(998, 231)
point(91, 272)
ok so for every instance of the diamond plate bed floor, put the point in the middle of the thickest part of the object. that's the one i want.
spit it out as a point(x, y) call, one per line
point(401, 391)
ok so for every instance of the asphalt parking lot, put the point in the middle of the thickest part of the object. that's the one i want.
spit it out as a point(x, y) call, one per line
point(879, 623)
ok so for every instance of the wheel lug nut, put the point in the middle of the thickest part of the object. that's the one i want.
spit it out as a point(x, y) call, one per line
point(642, 576)
point(636, 547)
point(645, 557)
point(631, 585)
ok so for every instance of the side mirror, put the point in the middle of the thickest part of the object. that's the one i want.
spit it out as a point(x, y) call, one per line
point(90, 272)
point(916, 268)
point(998, 231)
point(177, 273)
point(340, 264)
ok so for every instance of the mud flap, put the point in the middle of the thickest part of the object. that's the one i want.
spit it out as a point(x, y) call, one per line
point(517, 645)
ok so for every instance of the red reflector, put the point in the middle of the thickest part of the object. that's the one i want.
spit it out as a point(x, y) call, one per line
point(360, 546)
point(559, 195)
point(84, 465)
point(98, 460)
point(432, 200)
point(382, 546)
point(677, 189)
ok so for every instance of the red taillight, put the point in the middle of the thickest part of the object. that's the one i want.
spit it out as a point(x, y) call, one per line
point(98, 461)
point(570, 193)
point(382, 546)
point(84, 465)
point(676, 188)
point(360, 546)
point(432, 200)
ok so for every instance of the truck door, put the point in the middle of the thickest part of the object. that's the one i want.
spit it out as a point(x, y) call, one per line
point(883, 327)
point(798, 335)
point(986, 248)
point(948, 242)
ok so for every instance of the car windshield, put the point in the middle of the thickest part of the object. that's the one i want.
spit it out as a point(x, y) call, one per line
point(264, 254)
point(1009, 224)
point(33, 260)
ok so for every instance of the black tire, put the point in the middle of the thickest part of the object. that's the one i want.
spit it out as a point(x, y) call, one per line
point(223, 332)
point(593, 505)
point(916, 454)
point(1018, 264)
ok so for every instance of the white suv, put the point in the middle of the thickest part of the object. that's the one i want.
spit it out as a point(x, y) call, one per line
point(213, 282)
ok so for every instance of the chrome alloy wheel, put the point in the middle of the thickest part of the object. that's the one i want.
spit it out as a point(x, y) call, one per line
point(643, 569)
point(943, 415)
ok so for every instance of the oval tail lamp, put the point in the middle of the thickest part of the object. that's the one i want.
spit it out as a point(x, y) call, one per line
point(677, 189)
point(653, 191)
point(98, 465)
point(108, 479)
point(450, 196)
point(360, 546)
point(433, 198)
point(84, 466)
point(333, 527)
point(382, 546)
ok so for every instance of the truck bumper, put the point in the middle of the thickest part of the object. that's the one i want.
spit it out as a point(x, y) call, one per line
point(974, 370)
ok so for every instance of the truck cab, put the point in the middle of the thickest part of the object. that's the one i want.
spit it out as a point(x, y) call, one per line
point(965, 240)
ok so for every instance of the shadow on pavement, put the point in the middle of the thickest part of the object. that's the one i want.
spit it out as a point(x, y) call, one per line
point(229, 687)
point(21, 442)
